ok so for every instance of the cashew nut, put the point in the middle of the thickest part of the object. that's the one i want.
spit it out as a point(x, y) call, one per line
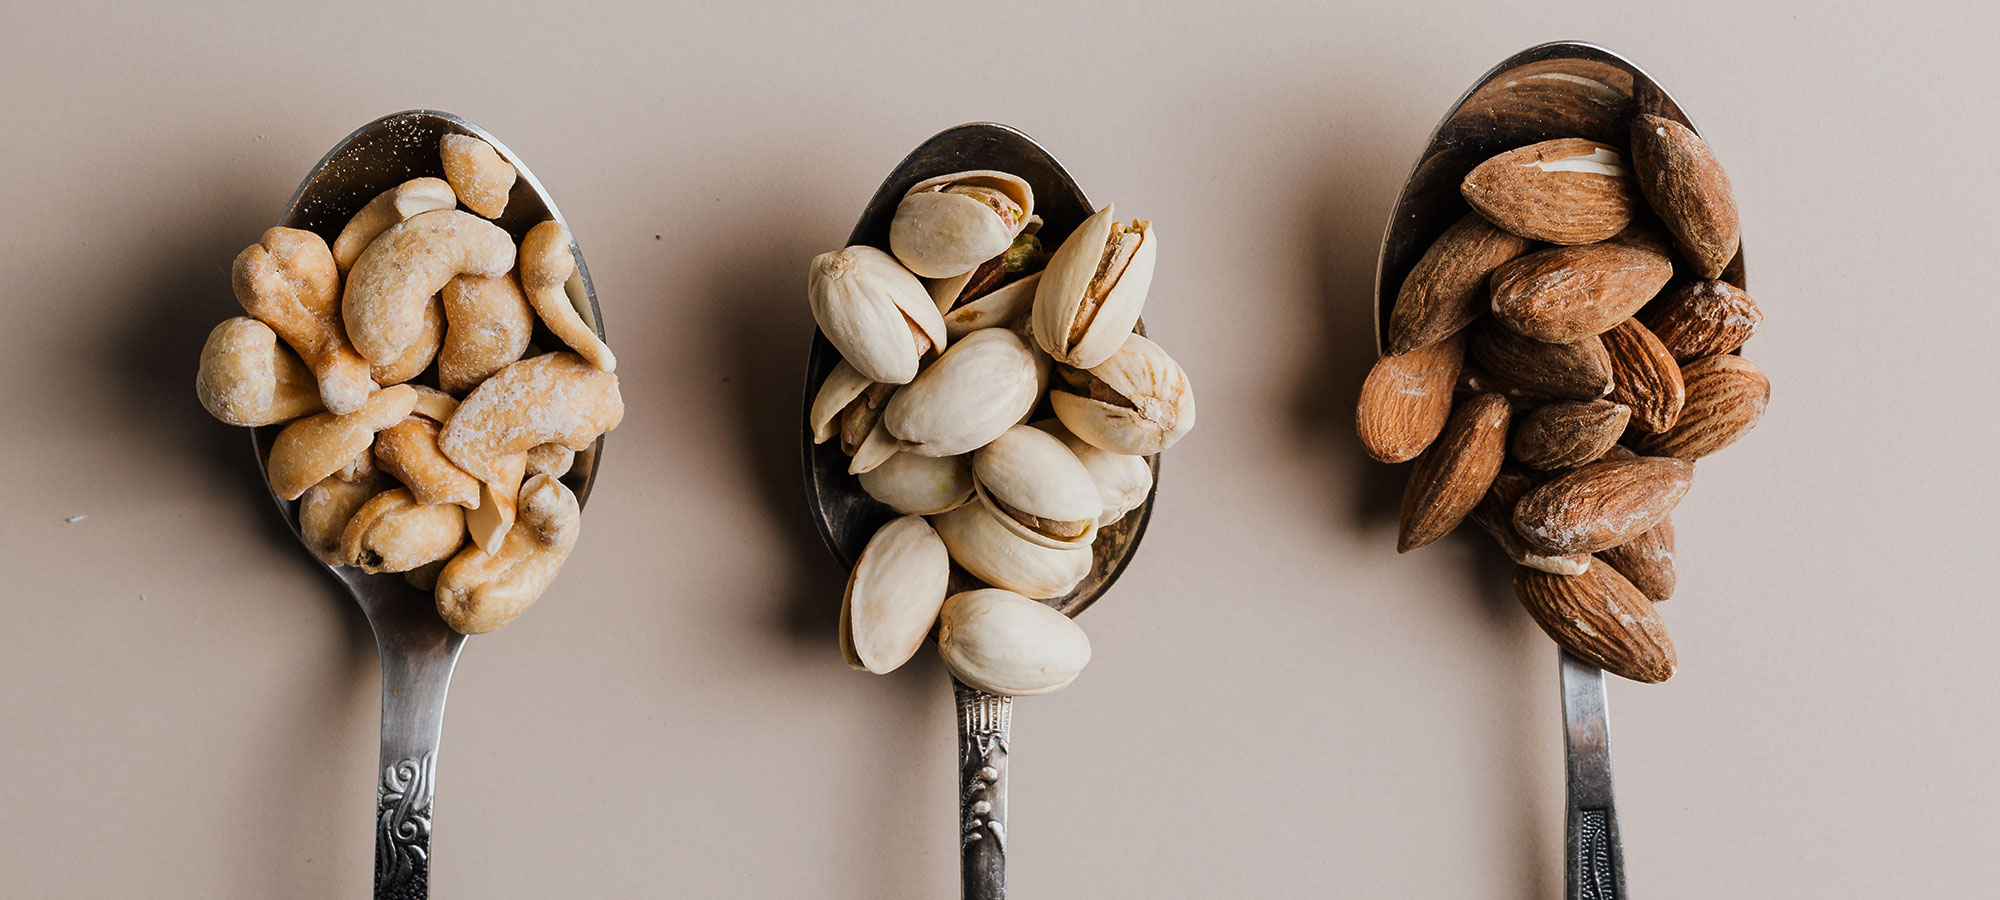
point(408, 450)
point(288, 281)
point(546, 264)
point(392, 532)
point(418, 355)
point(477, 172)
point(389, 290)
point(327, 507)
point(360, 468)
point(418, 195)
point(552, 460)
point(490, 324)
point(553, 398)
point(247, 379)
point(315, 447)
point(425, 577)
point(494, 514)
point(434, 404)
point(479, 591)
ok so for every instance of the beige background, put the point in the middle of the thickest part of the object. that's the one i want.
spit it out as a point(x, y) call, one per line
point(1280, 706)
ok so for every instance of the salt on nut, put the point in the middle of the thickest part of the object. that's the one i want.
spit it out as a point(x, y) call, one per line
point(489, 521)
point(546, 264)
point(315, 447)
point(553, 460)
point(408, 450)
point(479, 591)
point(476, 171)
point(488, 326)
point(289, 282)
point(553, 398)
point(392, 532)
point(327, 507)
point(247, 379)
point(418, 195)
point(416, 357)
point(390, 289)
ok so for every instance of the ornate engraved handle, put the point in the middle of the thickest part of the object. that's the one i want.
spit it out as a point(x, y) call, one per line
point(1595, 867)
point(983, 720)
point(403, 829)
point(414, 680)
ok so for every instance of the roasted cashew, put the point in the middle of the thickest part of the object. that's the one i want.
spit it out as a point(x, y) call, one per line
point(315, 447)
point(418, 195)
point(408, 450)
point(288, 281)
point(434, 404)
point(327, 507)
point(392, 532)
point(479, 591)
point(553, 398)
point(247, 379)
point(360, 468)
point(490, 323)
point(488, 522)
point(390, 288)
point(476, 171)
point(546, 264)
point(416, 357)
point(552, 460)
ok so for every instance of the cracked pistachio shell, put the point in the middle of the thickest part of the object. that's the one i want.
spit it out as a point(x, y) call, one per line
point(939, 233)
point(1003, 643)
point(1140, 404)
point(991, 553)
point(871, 309)
point(1123, 481)
point(893, 595)
point(1060, 300)
point(875, 450)
point(920, 485)
point(981, 386)
point(999, 309)
point(841, 386)
point(1037, 488)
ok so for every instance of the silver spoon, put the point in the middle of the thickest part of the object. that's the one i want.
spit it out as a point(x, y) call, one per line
point(418, 650)
point(1560, 89)
point(847, 516)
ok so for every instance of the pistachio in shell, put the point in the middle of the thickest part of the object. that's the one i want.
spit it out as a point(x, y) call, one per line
point(1123, 481)
point(986, 549)
point(920, 485)
point(978, 389)
point(1094, 288)
point(1003, 643)
point(874, 312)
point(998, 293)
point(948, 225)
point(893, 595)
point(1137, 402)
point(1037, 488)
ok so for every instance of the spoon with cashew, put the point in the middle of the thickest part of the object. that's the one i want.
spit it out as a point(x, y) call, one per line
point(384, 203)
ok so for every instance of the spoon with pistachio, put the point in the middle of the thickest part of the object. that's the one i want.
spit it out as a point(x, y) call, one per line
point(418, 650)
point(847, 516)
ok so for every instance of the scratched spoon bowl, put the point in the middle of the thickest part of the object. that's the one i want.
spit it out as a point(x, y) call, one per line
point(418, 650)
point(1554, 90)
point(847, 517)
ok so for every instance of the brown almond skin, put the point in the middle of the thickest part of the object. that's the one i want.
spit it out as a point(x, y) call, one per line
point(1522, 366)
point(1566, 294)
point(1447, 289)
point(1561, 207)
point(1646, 233)
point(1602, 619)
point(1644, 376)
point(1567, 433)
point(1726, 395)
point(1684, 184)
point(1407, 398)
point(1601, 505)
point(1452, 476)
point(1495, 513)
point(1647, 561)
point(1704, 318)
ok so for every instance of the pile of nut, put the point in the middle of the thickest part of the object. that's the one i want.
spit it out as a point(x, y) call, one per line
point(1595, 379)
point(420, 416)
point(948, 348)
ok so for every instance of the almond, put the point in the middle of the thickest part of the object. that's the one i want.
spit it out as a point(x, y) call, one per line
point(1647, 561)
point(1447, 289)
point(1565, 191)
point(1566, 294)
point(1688, 188)
point(1726, 395)
point(1646, 233)
point(1406, 399)
point(1705, 318)
point(1495, 513)
point(1602, 619)
point(1644, 376)
point(1521, 366)
point(1601, 505)
point(1455, 472)
point(1567, 433)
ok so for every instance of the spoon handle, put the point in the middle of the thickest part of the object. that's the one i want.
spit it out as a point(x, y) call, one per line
point(413, 692)
point(1595, 868)
point(983, 721)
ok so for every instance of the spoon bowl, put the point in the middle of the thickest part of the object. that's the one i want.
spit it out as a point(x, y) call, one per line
point(418, 650)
